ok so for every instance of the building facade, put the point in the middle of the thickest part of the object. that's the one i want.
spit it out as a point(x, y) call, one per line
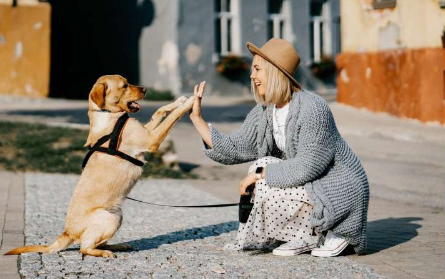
point(393, 57)
point(24, 48)
point(189, 39)
point(162, 44)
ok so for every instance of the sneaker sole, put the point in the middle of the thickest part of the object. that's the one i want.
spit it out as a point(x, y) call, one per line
point(330, 253)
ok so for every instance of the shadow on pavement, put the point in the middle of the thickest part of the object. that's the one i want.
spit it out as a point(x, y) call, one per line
point(187, 167)
point(390, 232)
point(188, 234)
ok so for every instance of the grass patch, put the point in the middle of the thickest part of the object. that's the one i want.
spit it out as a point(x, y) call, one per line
point(37, 147)
point(158, 95)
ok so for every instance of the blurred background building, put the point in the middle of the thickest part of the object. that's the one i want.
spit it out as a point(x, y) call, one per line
point(391, 52)
point(393, 57)
point(206, 40)
point(162, 44)
point(24, 48)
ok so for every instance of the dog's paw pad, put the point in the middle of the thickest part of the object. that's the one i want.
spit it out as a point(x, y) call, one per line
point(108, 254)
point(181, 99)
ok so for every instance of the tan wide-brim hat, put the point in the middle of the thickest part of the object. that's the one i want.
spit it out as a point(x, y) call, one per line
point(281, 54)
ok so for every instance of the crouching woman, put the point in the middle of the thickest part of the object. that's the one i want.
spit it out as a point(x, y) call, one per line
point(310, 190)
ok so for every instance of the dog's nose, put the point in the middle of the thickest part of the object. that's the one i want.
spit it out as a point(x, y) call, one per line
point(144, 90)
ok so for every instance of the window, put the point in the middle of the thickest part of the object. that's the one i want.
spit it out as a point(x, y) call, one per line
point(320, 30)
point(227, 34)
point(278, 25)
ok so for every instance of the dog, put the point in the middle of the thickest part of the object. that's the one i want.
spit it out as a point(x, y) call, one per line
point(95, 211)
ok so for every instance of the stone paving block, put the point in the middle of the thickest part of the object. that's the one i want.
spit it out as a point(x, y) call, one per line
point(12, 224)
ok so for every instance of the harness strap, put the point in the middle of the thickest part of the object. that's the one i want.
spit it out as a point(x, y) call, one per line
point(116, 134)
point(118, 153)
point(112, 149)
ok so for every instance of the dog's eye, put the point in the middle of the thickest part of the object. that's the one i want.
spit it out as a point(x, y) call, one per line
point(125, 85)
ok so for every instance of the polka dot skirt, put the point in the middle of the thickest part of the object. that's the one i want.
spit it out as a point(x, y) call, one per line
point(278, 214)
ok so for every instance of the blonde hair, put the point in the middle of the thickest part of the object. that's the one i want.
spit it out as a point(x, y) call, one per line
point(279, 87)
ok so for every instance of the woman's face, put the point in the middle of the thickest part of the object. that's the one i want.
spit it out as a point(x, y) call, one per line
point(259, 76)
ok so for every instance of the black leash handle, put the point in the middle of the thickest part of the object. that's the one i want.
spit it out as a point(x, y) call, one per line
point(187, 206)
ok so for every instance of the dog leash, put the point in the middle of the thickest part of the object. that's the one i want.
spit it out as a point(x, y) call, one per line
point(187, 206)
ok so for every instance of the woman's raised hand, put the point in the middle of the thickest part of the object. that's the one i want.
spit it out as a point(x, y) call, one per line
point(196, 117)
point(198, 93)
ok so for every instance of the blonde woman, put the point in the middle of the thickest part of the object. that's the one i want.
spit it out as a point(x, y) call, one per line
point(310, 190)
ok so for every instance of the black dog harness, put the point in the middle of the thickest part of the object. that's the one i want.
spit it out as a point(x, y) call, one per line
point(112, 149)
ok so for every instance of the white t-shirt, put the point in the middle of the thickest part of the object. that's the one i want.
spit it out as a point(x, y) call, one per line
point(279, 125)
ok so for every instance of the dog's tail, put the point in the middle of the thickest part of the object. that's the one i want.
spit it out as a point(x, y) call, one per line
point(61, 242)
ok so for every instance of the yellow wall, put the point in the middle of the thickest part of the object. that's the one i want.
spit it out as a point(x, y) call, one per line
point(24, 48)
point(411, 24)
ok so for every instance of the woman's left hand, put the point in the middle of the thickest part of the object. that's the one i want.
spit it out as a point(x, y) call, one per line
point(249, 180)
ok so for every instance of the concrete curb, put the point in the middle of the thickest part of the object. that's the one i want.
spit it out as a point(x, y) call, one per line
point(11, 221)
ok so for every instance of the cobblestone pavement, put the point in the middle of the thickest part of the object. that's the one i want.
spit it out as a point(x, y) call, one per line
point(167, 242)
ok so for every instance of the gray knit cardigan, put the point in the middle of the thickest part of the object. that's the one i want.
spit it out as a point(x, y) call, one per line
point(315, 156)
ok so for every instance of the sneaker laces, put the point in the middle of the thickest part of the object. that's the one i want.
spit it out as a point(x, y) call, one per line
point(330, 239)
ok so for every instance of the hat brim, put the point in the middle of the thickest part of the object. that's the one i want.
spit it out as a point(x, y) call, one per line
point(256, 51)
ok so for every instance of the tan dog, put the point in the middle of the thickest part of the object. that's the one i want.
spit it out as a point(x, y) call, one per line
point(95, 214)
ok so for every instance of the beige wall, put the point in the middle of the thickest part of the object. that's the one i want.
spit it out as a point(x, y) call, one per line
point(408, 83)
point(24, 48)
point(411, 24)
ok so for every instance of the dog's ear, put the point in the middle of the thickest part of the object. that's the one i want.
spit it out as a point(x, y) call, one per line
point(98, 94)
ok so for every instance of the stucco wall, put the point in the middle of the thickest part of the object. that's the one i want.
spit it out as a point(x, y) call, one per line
point(25, 49)
point(196, 42)
point(301, 20)
point(183, 34)
point(158, 48)
point(408, 83)
point(393, 60)
point(411, 24)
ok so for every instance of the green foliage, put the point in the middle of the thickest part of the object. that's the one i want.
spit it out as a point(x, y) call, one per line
point(36, 147)
point(156, 169)
point(232, 66)
point(158, 95)
point(323, 69)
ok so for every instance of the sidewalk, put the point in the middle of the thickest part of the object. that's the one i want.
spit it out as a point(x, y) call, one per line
point(167, 242)
point(405, 241)
point(11, 221)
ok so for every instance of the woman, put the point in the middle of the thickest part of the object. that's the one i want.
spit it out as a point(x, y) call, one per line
point(310, 188)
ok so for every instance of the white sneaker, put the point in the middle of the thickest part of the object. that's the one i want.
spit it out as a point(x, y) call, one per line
point(332, 246)
point(292, 249)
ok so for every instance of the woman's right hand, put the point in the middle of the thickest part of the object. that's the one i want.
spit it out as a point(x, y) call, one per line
point(196, 109)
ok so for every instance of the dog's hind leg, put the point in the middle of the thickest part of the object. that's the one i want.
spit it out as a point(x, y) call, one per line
point(91, 238)
point(162, 112)
point(105, 226)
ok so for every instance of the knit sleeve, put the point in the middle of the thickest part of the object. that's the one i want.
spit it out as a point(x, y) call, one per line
point(315, 149)
point(237, 147)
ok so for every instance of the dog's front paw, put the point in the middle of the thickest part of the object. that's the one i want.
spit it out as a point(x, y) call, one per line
point(181, 100)
point(189, 103)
